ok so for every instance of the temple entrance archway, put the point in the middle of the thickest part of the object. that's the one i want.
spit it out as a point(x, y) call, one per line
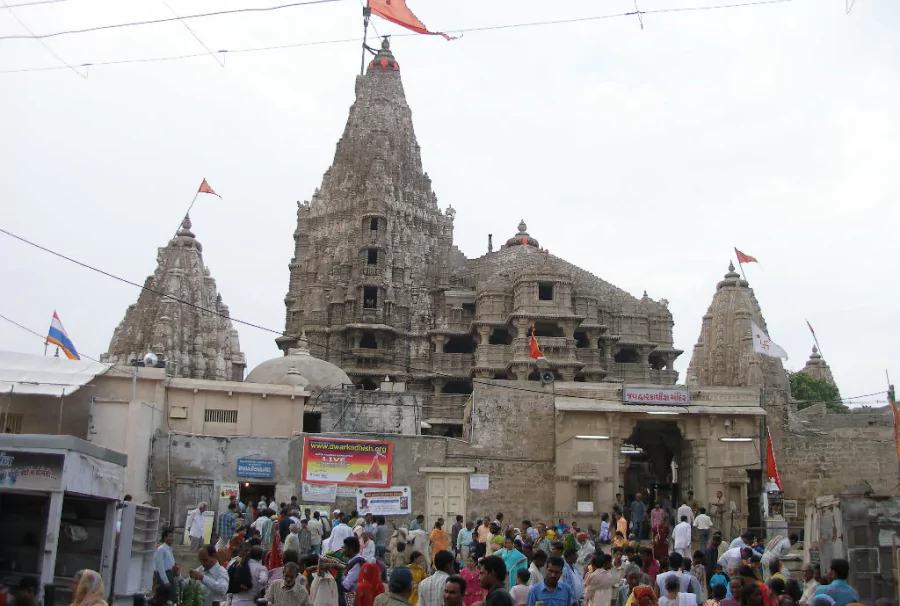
point(656, 459)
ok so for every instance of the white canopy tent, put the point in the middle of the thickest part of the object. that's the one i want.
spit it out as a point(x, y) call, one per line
point(28, 374)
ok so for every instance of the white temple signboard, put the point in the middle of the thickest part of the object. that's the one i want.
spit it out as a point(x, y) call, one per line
point(666, 396)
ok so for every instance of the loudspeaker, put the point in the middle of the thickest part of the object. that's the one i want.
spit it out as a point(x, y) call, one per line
point(547, 377)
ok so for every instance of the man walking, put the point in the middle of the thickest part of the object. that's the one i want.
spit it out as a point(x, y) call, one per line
point(464, 542)
point(431, 590)
point(551, 591)
point(212, 575)
point(316, 533)
point(164, 569)
point(682, 536)
point(571, 576)
point(703, 523)
point(638, 514)
point(227, 524)
point(195, 525)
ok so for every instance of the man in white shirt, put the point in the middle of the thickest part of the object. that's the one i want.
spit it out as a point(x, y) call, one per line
point(685, 511)
point(292, 541)
point(776, 549)
point(195, 525)
point(317, 531)
point(431, 590)
point(703, 523)
point(164, 568)
point(731, 559)
point(745, 540)
point(682, 536)
point(675, 562)
point(339, 533)
point(810, 585)
point(212, 575)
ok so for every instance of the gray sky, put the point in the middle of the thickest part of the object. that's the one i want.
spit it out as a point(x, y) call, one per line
point(642, 156)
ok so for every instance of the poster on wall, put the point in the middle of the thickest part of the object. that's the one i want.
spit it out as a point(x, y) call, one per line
point(479, 481)
point(229, 489)
point(319, 493)
point(354, 462)
point(31, 470)
point(393, 501)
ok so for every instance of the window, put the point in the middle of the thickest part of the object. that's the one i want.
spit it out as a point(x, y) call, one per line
point(457, 387)
point(370, 297)
point(548, 329)
point(545, 291)
point(469, 308)
point(373, 224)
point(581, 340)
point(657, 362)
point(373, 256)
point(583, 492)
point(627, 355)
point(460, 344)
point(367, 341)
point(13, 423)
point(212, 415)
point(312, 422)
point(368, 384)
point(499, 336)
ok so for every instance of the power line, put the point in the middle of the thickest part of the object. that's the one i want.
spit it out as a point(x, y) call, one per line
point(44, 44)
point(257, 326)
point(400, 35)
point(97, 28)
point(24, 4)
point(195, 36)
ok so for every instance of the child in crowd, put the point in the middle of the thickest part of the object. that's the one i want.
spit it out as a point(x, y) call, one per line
point(719, 578)
point(519, 592)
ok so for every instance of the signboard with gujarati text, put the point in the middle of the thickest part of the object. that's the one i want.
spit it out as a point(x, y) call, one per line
point(354, 462)
point(31, 470)
point(393, 501)
point(255, 468)
point(666, 396)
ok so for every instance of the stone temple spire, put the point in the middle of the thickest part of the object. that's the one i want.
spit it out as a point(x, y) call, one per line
point(723, 355)
point(193, 343)
point(370, 245)
point(817, 368)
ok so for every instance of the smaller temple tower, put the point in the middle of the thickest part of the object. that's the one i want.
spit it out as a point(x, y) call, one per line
point(817, 368)
point(192, 342)
point(723, 355)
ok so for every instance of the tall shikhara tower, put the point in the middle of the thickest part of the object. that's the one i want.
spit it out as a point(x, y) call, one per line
point(371, 244)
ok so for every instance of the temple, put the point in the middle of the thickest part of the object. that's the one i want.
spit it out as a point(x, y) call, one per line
point(191, 340)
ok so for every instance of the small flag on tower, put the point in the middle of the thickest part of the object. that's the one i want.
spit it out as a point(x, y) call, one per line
point(58, 336)
point(771, 466)
point(534, 349)
point(764, 345)
point(744, 258)
point(206, 189)
point(397, 12)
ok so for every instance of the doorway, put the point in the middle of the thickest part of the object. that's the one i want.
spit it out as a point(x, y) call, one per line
point(446, 498)
point(253, 492)
point(653, 464)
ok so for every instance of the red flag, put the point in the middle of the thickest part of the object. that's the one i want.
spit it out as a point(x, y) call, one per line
point(771, 466)
point(533, 349)
point(399, 13)
point(206, 189)
point(742, 258)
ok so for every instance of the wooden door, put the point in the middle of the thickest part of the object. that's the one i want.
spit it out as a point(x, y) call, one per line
point(446, 499)
point(188, 493)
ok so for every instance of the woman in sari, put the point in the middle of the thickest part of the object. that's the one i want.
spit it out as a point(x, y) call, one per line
point(369, 585)
point(474, 592)
point(495, 540)
point(514, 559)
point(598, 584)
point(89, 590)
point(661, 541)
point(419, 574)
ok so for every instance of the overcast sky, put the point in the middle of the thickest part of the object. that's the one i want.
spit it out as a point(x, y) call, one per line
point(642, 156)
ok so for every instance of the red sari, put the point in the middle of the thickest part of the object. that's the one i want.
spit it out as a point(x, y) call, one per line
point(661, 542)
point(369, 585)
point(273, 559)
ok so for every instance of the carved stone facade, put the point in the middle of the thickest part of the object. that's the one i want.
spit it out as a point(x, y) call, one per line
point(817, 368)
point(380, 289)
point(193, 343)
point(723, 355)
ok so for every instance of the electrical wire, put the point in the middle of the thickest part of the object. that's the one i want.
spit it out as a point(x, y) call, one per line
point(194, 34)
point(24, 4)
point(357, 39)
point(44, 44)
point(280, 333)
point(97, 28)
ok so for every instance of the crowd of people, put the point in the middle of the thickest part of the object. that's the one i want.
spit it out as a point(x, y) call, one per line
point(294, 558)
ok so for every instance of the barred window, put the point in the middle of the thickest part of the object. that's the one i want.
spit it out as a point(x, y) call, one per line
point(13, 423)
point(213, 415)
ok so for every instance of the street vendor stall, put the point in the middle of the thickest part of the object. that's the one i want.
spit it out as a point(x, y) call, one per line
point(58, 497)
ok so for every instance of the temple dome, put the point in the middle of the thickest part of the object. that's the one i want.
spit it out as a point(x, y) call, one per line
point(522, 238)
point(301, 369)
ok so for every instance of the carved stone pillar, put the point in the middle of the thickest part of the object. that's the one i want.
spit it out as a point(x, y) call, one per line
point(701, 466)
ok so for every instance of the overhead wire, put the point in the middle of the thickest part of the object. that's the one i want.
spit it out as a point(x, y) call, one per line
point(25, 4)
point(194, 34)
point(44, 44)
point(357, 39)
point(281, 333)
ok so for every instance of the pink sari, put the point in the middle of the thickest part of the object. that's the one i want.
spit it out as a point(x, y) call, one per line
point(474, 592)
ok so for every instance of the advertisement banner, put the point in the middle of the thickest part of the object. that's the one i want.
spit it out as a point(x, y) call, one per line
point(229, 489)
point(393, 501)
point(354, 462)
point(31, 470)
point(319, 493)
point(672, 396)
point(255, 468)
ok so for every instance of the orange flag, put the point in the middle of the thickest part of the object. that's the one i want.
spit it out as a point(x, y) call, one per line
point(896, 412)
point(206, 189)
point(771, 466)
point(399, 13)
point(744, 258)
point(533, 349)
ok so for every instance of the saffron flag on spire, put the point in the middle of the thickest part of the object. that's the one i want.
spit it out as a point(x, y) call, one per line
point(534, 349)
point(58, 336)
point(896, 412)
point(206, 189)
point(771, 466)
point(397, 12)
point(764, 345)
point(744, 258)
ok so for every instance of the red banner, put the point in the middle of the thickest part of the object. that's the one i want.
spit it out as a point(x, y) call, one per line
point(348, 462)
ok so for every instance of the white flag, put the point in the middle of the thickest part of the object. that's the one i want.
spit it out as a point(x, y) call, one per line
point(764, 345)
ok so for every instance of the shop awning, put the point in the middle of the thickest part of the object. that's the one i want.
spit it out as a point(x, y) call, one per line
point(28, 374)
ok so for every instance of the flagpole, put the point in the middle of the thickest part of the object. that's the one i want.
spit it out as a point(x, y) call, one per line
point(741, 265)
point(188, 211)
point(362, 62)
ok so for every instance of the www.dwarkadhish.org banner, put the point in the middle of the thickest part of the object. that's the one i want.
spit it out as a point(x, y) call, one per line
point(353, 462)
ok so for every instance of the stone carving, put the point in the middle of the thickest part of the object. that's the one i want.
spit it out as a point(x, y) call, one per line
point(193, 343)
